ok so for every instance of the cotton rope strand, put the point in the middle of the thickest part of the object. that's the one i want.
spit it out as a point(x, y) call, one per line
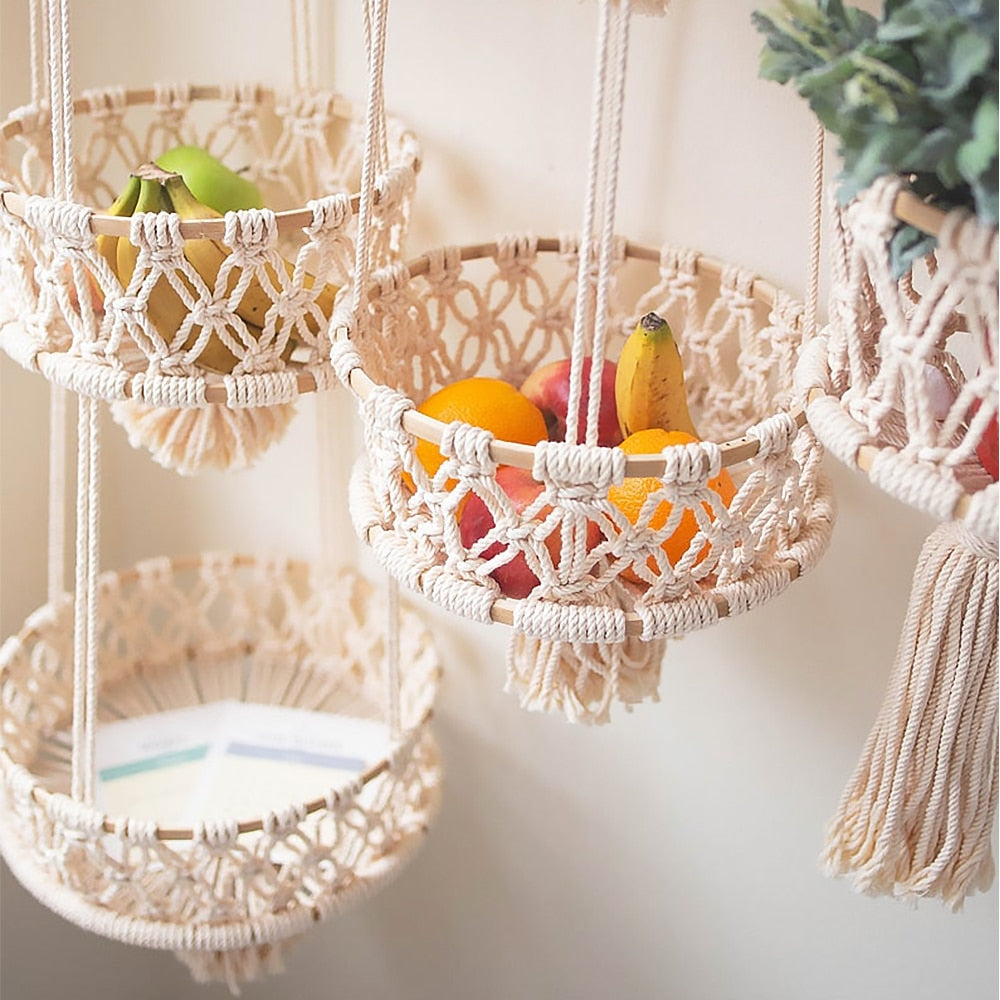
point(607, 102)
point(88, 437)
point(917, 816)
point(375, 12)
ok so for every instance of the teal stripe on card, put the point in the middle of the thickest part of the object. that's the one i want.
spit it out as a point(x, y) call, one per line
point(155, 763)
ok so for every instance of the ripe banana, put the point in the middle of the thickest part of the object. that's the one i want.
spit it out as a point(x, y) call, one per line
point(122, 206)
point(165, 307)
point(649, 380)
point(207, 257)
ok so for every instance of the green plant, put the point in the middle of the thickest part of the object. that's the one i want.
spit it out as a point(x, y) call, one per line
point(912, 92)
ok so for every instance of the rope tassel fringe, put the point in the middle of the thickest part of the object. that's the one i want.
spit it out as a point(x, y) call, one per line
point(916, 818)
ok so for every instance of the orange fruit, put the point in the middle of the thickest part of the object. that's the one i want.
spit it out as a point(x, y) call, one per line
point(632, 494)
point(489, 403)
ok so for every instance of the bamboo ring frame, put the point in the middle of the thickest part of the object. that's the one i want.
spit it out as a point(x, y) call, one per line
point(734, 452)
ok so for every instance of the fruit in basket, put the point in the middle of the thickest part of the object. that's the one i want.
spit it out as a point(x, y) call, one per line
point(210, 180)
point(649, 380)
point(548, 388)
point(490, 403)
point(632, 495)
point(988, 449)
point(515, 577)
point(167, 308)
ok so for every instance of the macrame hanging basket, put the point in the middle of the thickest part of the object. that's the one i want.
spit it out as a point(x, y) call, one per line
point(229, 896)
point(501, 309)
point(67, 315)
point(902, 387)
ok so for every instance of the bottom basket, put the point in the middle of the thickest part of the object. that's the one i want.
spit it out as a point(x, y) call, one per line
point(226, 895)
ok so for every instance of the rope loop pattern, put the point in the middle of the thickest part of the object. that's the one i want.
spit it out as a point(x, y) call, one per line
point(212, 886)
point(895, 380)
point(594, 569)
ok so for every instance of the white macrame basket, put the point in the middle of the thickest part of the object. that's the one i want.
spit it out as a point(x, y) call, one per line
point(501, 309)
point(302, 148)
point(228, 896)
point(902, 386)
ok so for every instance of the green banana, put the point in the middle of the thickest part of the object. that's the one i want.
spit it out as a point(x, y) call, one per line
point(649, 380)
point(122, 207)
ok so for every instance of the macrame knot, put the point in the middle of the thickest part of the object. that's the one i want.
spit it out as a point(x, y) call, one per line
point(64, 223)
point(470, 447)
point(444, 264)
point(691, 464)
point(171, 99)
point(285, 821)
point(329, 214)
point(978, 530)
point(252, 230)
point(105, 104)
point(216, 834)
point(569, 622)
point(344, 356)
point(566, 466)
point(132, 830)
point(159, 234)
point(870, 216)
point(387, 407)
point(736, 288)
point(515, 252)
point(775, 434)
point(78, 819)
point(392, 187)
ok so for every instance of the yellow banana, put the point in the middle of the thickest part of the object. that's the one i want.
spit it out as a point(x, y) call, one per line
point(207, 257)
point(122, 207)
point(649, 380)
point(165, 307)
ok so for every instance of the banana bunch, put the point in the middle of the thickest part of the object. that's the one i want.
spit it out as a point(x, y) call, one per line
point(649, 380)
point(152, 189)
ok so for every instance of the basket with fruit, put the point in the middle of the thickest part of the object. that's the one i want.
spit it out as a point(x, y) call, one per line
point(696, 495)
point(190, 279)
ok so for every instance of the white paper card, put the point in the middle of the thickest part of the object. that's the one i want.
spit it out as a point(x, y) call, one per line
point(229, 760)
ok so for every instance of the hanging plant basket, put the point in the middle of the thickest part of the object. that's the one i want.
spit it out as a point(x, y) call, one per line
point(902, 387)
point(501, 310)
point(902, 383)
point(227, 895)
point(69, 316)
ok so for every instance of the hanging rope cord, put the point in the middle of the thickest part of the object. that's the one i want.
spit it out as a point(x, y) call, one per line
point(88, 439)
point(599, 213)
point(374, 163)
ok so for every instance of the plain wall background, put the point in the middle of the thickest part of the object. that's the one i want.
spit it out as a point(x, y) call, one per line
point(671, 854)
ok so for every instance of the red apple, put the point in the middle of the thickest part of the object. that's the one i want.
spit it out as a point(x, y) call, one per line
point(548, 388)
point(988, 449)
point(515, 578)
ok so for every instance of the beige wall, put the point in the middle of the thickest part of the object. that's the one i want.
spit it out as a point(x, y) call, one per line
point(673, 853)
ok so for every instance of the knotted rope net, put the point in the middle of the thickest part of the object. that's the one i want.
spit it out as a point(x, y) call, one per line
point(903, 387)
point(605, 576)
point(173, 346)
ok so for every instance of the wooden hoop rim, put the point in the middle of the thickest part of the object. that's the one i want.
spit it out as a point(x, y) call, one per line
point(734, 452)
point(290, 220)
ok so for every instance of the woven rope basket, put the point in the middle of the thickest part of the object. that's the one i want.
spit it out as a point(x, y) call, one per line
point(902, 387)
point(902, 383)
point(226, 895)
point(67, 315)
point(501, 309)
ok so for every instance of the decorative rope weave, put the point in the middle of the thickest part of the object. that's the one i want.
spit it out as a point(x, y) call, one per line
point(902, 385)
point(67, 315)
point(503, 309)
point(228, 894)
